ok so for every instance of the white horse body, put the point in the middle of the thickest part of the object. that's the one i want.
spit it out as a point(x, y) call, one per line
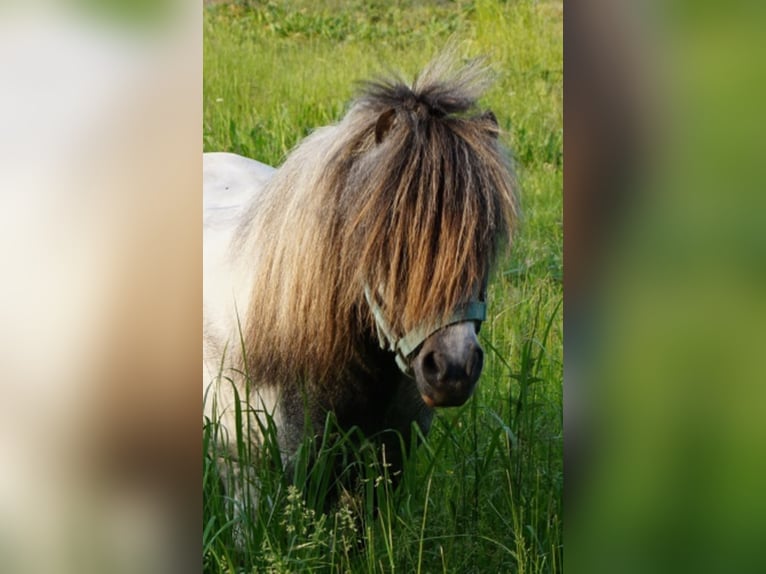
point(230, 184)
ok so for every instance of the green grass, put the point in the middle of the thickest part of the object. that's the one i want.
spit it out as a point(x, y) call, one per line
point(483, 492)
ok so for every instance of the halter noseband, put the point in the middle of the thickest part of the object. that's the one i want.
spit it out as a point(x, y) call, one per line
point(403, 347)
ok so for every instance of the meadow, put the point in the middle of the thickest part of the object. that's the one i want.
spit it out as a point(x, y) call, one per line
point(483, 491)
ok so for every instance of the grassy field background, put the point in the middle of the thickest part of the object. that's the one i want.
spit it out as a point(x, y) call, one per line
point(483, 493)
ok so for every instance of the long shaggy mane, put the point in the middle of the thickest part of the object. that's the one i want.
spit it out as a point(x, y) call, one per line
point(410, 194)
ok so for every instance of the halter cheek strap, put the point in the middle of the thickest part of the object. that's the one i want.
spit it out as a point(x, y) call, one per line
point(403, 347)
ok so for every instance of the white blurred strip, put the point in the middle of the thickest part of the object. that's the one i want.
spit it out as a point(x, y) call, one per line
point(100, 155)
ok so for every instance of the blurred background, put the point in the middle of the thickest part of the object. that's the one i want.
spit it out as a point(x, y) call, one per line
point(665, 255)
point(100, 288)
point(100, 314)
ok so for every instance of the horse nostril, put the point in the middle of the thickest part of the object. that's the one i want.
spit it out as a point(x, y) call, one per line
point(433, 366)
point(475, 363)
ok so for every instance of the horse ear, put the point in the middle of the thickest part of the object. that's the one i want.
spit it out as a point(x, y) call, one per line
point(491, 119)
point(384, 124)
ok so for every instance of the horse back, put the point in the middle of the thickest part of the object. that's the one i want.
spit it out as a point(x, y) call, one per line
point(230, 184)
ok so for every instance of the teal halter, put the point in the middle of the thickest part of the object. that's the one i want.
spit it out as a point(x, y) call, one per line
point(403, 347)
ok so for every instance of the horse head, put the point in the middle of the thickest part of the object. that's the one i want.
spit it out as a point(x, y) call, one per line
point(427, 202)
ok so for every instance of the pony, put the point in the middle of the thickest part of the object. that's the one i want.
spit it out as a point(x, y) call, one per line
point(352, 279)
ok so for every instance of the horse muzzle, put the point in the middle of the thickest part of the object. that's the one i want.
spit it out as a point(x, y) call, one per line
point(445, 359)
point(448, 365)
